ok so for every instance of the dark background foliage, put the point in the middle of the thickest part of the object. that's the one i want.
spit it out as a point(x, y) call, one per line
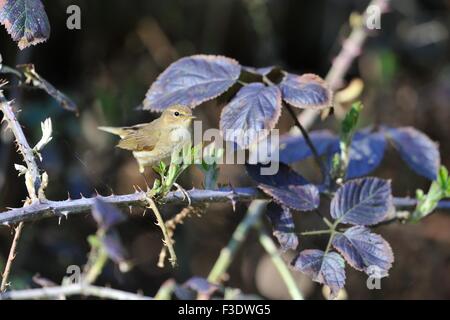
point(107, 67)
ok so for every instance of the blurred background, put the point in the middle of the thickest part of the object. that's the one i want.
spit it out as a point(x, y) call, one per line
point(107, 67)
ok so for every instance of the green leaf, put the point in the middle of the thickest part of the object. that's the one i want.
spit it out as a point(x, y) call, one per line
point(351, 119)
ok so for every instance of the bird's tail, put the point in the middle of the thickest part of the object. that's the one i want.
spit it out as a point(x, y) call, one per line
point(118, 131)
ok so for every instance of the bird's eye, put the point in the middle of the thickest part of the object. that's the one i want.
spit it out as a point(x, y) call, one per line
point(176, 113)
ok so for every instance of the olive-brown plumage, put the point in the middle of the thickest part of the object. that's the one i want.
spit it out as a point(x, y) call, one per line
point(155, 141)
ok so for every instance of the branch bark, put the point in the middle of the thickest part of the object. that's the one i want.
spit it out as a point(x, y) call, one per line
point(70, 290)
point(48, 208)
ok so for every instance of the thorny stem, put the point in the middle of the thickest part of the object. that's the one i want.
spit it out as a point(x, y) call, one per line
point(167, 239)
point(32, 178)
point(71, 290)
point(11, 256)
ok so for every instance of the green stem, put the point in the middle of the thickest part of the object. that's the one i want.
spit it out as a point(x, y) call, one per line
point(95, 270)
point(228, 253)
point(267, 243)
point(314, 233)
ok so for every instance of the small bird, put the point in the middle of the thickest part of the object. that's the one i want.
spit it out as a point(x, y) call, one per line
point(155, 141)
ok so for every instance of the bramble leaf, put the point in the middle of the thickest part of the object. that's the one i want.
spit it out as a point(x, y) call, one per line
point(366, 152)
point(191, 81)
point(251, 114)
point(286, 187)
point(25, 20)
point(114, 248)
point(419, 152)
point(365, 251)
point(307, 91)
point(364, 201)
point(284, 177)
point(106, 215)
point(301, 198)
point(283, 226)
point(328, 269)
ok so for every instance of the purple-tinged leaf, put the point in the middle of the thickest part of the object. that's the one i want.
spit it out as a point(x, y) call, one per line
point(191, 81)
point(196, 288)
point(366, 153)
point(25, 20)
point(419, 152)
point(364, 201)
point(106, 215)
point(286, 187)
point(113, 246)
point(307, 91)
point(294, 148)
point(327, 269)
point(284, 177)
point(301, 198)
point(283, 226)
point(364, 251)
point(251, 114)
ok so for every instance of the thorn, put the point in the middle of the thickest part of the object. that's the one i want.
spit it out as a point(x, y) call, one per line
point(68, 196)
point(59, 221)
point(131, 209)
point(6, 224)
point(145, 211)
point(64, 213)
point(96, 192)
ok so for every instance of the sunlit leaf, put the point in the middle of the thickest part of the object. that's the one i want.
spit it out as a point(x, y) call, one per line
point(191, 81)
point(366, 152)
point(417, 150)
point(364, 201)
point(364, 251)
point(294, 148)
point(306, 91)
point(327, 269)
point(283, 226)
point(25, 20)
point(105, 214)
point(251, 114)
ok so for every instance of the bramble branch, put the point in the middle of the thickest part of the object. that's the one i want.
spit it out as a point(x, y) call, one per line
point(351, 48)
point(71, 290)
point(48, 208)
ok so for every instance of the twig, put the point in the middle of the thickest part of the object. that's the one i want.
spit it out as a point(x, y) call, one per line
point(351, 49)
point(47, 208)
point(34, 183)
point(310, 144)
point(267, 243)
point(70, 290)
point(228, 253)
point(167, 239)
point(32, 179)
point(166, 290)
point(11, 256)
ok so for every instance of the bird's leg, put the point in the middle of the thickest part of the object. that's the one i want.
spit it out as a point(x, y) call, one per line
point(183, 192)
point(146, 181)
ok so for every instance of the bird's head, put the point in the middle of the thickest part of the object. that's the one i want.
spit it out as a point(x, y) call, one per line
point(177, 115)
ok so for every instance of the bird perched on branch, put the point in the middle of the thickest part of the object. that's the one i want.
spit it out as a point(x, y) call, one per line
point(155, 141)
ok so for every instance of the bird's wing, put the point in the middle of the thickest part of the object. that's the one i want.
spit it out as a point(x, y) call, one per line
point(141, 137)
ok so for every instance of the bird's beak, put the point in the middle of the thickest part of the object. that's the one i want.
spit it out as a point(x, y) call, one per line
point(192, 117)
